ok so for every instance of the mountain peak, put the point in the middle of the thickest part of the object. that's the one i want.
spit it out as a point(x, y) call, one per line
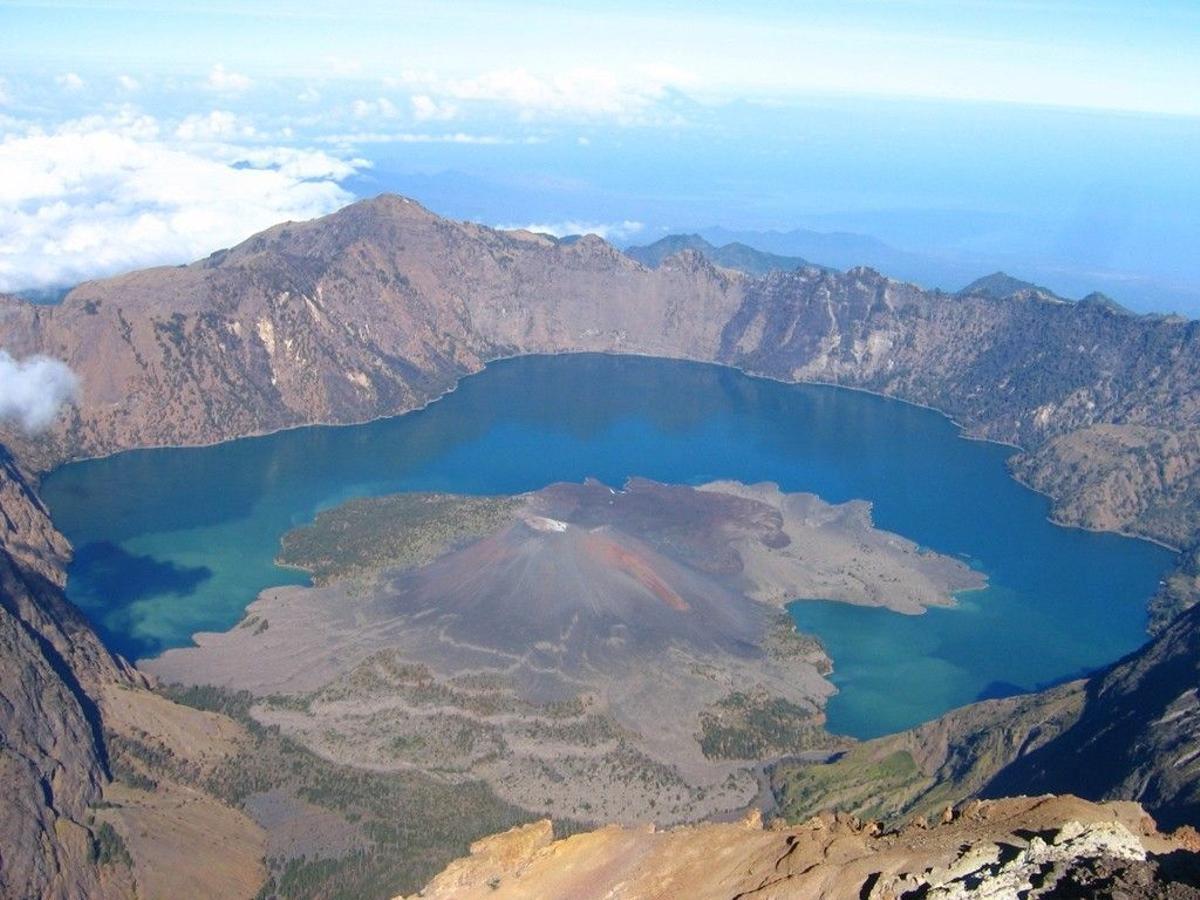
point(1096, 298)
point(734, 255)
point(395, 205)
point(1000, 286)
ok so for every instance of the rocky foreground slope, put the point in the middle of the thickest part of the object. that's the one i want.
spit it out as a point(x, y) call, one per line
point(67, 821)
point(1030, 848)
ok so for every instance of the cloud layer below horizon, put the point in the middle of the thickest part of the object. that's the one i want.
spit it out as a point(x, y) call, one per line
point(102, 194)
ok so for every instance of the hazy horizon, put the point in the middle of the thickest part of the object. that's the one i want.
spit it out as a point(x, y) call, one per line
point(1052, 141)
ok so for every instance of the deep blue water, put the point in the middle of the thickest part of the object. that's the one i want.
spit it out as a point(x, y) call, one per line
point(171, 542)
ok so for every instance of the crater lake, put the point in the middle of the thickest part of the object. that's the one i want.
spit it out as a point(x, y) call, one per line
point(170, 542)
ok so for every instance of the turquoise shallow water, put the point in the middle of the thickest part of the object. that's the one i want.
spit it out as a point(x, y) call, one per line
point(170, 542)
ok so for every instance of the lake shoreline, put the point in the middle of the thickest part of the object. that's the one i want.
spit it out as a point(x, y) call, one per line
point(591, 416)
point(963, 431)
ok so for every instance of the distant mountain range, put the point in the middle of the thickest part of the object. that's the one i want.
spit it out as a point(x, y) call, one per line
point(1002, 286)
point(753, 261)
point(949, 271)
point(733, 255)
point(845, 250)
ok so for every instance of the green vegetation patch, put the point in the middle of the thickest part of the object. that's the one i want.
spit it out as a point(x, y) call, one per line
point(861, 782)
point(756, 726)
point(362, 536)
point(108, 847)
point(783, 642)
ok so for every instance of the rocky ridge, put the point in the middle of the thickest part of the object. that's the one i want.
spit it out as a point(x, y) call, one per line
point(1026, 847)
point(382, 306)
point(53, 758)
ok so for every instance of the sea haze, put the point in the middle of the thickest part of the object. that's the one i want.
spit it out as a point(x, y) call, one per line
point(175, 541)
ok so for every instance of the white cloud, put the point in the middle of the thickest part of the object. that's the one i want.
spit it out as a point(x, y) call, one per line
point(380, 108)
point(409, 137)
point(33, 389)
point(69, 81)
point(218, 125)
point(342, 65)
point(100, 195)
point(588, 92)
point(309, 95)
point(293, 162)
point(127, 122)
point(223, 81)
point(411, 78)
point(632, 93)
point(426, 109)
point(4, 97)
point(612, 231)
point(128, 83)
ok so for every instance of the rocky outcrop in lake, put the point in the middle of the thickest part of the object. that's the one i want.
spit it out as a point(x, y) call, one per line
point(609, 654)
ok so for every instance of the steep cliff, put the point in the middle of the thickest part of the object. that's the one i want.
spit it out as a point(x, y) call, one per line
point(53, 762)
point(1137, 736)
point(371, 311)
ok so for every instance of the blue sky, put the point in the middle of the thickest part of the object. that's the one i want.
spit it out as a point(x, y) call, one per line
point(1053, 139)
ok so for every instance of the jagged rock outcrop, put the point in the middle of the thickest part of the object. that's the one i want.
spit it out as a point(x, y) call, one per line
point(52, 770)
point(1026, 847)
point(53, 762)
